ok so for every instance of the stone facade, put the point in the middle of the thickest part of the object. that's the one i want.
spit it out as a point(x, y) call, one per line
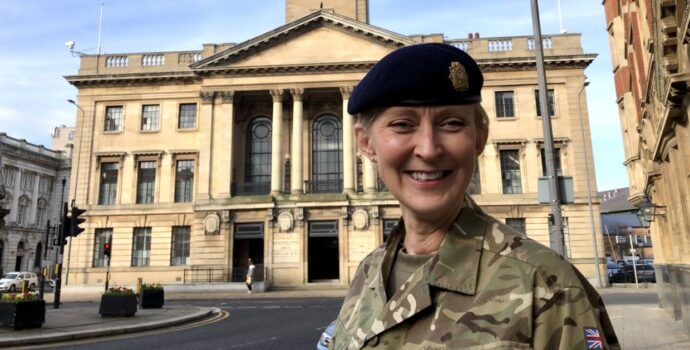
point(651, 65)
point(273, 170)
point(31, 176)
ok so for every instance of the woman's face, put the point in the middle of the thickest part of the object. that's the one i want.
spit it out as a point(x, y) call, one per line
point(425, 155)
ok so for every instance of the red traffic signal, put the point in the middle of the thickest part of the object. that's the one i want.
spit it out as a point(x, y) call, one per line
point(106, 249)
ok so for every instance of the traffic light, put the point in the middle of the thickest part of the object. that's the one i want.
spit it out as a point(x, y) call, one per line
point(106, 249)
point(64, 226)
point(75, 221)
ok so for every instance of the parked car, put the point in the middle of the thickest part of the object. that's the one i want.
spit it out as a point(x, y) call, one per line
point(326, 337)
point(613, 268)
point(645, 273)
point(12, 281)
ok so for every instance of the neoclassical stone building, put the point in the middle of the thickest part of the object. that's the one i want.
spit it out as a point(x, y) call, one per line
point(192, 162)
point(31, 176)
point(651, 67)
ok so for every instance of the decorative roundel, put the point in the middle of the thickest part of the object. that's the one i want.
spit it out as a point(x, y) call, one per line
point(360, 219)
point(285, 221)
point(212, 223)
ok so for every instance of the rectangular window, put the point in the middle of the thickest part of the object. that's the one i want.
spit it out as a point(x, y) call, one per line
point(504, 104)
point(388, 225)
point(150, 117)
point(184, 180)
point(187, 117)
point(510, 171)
point(45, 184)
point(108, 187)
point(180, 246)
point(141, 246)
point(40, 213)
point(21, 213)
point(70, 136)
point(8, 176)
point(103, 235)
point(27, 181)
point(146, 182)
point(549, 94)
point(518, 224)
point(113, 118)
point(556, 158)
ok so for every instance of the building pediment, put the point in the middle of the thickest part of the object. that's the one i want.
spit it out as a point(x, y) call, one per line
point(307, 43)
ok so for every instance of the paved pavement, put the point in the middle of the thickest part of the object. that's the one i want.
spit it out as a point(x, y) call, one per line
point(639, 324)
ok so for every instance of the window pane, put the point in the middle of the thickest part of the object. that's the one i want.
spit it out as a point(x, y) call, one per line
point(327, 145)
point(180, 246)
point(184, 179)
point(549, 94)
point(504, 104)
point(187, 117)
point(150, 117)
point(113, 118)
point(108, 186)
point(141, 246)
point(557, 159)
point(517, 223)
point(258, 158)
point(146, 182)
point(510, 171)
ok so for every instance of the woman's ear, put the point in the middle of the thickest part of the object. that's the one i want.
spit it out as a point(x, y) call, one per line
point(364, 142)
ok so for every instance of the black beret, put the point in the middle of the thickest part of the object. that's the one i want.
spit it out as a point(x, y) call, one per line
point(429, 74)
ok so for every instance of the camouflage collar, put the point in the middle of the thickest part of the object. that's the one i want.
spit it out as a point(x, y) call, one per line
point(456, 266)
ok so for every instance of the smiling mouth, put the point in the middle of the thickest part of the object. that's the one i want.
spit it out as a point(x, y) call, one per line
point(428, 176)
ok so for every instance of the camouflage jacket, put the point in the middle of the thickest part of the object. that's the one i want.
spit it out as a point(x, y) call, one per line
point(489, 287)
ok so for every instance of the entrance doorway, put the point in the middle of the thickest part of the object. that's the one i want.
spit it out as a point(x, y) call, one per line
point(323, 255)
point(248, 244)
point(20, 256)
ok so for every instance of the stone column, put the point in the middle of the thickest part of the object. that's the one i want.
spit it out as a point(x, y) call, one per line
point(348, 149)
point(297, 125)
point(206, 149)
point(369, 176)
point(222, 167)
point(276, 152)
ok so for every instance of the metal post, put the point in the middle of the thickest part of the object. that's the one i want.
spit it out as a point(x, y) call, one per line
point(556, 226)
point(632, 251)
point(597, 273)
point(58, 257)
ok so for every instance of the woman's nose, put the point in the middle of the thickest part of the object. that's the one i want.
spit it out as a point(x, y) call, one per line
point(427, 143)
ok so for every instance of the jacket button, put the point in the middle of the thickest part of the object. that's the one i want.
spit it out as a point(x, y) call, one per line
point(373, 341)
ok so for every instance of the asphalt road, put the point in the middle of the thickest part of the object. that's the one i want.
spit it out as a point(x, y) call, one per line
point(251, 324)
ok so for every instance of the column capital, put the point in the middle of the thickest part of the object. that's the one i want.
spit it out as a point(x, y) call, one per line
point(297, 94)
point(346, 91)
point(277, 95)
point(226, 96)
point(207, 96)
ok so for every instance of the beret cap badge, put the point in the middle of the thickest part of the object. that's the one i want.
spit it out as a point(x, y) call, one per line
point(458, 76)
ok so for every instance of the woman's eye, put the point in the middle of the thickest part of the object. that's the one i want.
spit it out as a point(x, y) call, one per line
point(401, 125)
point(453, 124)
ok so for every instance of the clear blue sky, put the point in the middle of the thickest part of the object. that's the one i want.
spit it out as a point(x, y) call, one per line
point(33, 58)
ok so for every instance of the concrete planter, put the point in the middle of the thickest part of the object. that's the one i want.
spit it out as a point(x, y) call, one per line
point(21, 315)
point(118, 305)
point(152, 298)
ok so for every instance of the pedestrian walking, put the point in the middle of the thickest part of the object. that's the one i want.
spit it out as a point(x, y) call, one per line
point(250, 276)
point(449, 275)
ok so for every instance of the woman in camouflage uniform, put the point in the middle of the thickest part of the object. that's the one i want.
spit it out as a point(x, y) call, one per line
point(450, 276)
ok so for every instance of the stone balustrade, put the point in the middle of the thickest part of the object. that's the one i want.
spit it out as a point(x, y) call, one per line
point(519, 46)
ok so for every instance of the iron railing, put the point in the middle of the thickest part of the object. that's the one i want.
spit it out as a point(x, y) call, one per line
point(251, 188)
point(324, 186)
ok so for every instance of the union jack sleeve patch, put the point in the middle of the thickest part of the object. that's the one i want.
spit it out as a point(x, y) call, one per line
point(593, 338)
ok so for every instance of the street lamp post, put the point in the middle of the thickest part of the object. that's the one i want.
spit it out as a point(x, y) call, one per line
point(597, 273)
point(556, 225)
point(76, 179)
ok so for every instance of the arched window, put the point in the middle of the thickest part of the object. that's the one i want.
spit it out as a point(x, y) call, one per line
point(258, 158)
point(39, 255)
point(41, 211)
point(22, 209)
point(327, 154)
